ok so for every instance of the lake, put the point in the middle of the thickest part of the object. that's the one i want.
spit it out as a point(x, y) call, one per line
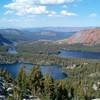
point(12, 50)
point(55, 71)
point(79, 54)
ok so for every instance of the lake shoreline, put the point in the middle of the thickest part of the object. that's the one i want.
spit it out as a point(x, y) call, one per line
point(79, 54)
point(53, 70)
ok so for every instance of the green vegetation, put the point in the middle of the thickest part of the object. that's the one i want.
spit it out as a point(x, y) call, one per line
point(52, 47)
point(79, 85)
point(34, 84)
point(8, 59)
point(7, 76)
point(83, 82)
point(34, 52)
point(81, 47)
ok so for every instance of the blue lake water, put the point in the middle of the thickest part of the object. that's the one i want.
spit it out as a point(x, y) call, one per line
point(79, 54)
point(54, 71)
point(12, 51)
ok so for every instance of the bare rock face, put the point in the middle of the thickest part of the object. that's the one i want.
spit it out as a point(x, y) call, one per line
point(90, 36)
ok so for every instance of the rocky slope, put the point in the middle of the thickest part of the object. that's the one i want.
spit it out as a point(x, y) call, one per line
point(90, 36)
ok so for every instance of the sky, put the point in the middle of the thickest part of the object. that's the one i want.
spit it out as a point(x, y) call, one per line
point(49, 13)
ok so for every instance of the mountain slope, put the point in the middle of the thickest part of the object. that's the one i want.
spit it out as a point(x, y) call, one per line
point(90, 36)
point(4, 40)
point(12, 34)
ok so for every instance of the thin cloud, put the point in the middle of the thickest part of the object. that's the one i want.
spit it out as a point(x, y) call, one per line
point(66, 13)
point(56, 1)
point(93, 15)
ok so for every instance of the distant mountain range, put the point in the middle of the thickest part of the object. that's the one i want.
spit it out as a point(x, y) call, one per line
point(69, 35)
point(88, 36)
point(34, 34)
point(56, 29)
